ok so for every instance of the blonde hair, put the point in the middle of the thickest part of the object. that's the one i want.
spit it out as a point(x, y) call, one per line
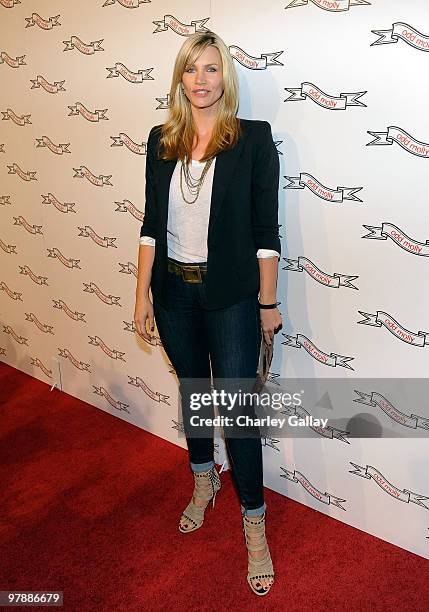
point(177, 133)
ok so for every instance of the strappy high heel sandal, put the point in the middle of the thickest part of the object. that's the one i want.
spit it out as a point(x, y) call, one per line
point(207, 484)
point(254, 532)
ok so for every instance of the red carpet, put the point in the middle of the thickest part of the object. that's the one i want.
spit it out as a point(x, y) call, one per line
point(90, 505)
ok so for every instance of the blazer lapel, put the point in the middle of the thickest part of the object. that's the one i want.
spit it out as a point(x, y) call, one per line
point(226, 162)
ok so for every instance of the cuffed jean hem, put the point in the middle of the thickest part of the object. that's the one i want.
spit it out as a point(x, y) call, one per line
point(255, 511)
point(202, 467)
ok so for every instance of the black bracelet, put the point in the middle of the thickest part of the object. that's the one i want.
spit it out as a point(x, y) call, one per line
point(268, 305)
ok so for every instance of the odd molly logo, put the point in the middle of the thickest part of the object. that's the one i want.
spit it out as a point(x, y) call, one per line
point(329, 280)
point(110, 352)
point(402, 31)
point(323, 498)
point(124, 139)
point(86, 48)
point(163, 102)
point(334, 6)
point(44, 24)
point(7, 329)
point(127, 206)
point(328, 101)
point(178, 426)
point(58, 149)
point(9, 3)
point(120, 69)
point(79, 365)
point(43, 327)
point(13, 295)
point(72, 314)
point(325, 193)
point(255, 63)
point(381, 318)
point(400, 238)
point(183, 29)
point(136, 381)
point(369, 472)
point(10, 61)
point(332, 359)
point(322, 429)
point(52, 88)
point(25, 175)
point(94, 116)
point(99, 181)
point(68, 262)
point(111, 300)
point(62, 207)
point(17, 119)
point(126, 3)
point(30, 227)
point(402, 138)
point(8, 248)
point(35, 361)
point(89, 232)
point(39, 280)
point(377, 400)
point(117, 404)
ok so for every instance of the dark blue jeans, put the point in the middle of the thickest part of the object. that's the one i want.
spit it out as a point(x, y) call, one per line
point(223, 343)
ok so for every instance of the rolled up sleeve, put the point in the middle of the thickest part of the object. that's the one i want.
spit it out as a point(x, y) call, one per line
point(147, 240)
point(265, 191)
point(150, 211)
point(265, 253)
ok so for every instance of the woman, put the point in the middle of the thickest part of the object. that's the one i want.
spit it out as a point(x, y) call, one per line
point(209, 245)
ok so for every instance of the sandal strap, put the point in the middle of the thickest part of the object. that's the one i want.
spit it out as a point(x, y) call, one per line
point(263, 565)
point(206, 484)
point(254, 531)
point(194, 513)
point(202, 491)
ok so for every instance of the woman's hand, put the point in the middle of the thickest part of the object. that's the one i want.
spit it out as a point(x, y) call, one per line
point(143, 314)
point(271, 322)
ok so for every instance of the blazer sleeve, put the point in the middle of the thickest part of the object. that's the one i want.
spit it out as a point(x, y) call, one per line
point(150, 211)
point(265, 191)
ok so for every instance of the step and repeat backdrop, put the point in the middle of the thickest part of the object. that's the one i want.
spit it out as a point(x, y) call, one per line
point(344, 86)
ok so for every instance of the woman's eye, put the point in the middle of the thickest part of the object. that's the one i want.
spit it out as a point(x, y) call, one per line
point(210, 68)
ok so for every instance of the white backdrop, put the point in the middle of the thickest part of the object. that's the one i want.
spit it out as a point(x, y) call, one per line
point(344, 85)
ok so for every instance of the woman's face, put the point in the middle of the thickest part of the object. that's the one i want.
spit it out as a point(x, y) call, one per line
point(206, 74)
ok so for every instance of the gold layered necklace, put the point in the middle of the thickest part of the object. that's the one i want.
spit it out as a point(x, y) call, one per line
point(194, 185)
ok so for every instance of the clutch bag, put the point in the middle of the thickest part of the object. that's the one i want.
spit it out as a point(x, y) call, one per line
point(265, 359)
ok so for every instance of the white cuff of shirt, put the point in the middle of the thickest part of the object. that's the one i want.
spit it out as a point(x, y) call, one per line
point(262, 253)
point(147, 240)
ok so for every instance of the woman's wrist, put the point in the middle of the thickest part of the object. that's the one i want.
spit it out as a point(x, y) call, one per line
point(267, 299)
point(267, 305)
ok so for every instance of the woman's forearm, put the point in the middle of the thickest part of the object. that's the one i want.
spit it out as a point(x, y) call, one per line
point(268, 269)
point(144, 274)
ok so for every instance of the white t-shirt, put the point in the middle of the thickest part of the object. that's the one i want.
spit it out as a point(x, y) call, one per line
point(187, 224)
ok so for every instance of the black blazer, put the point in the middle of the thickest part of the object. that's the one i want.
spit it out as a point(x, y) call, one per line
point(243, 214)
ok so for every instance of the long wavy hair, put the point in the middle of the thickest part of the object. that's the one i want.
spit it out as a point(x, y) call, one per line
point(177, 133)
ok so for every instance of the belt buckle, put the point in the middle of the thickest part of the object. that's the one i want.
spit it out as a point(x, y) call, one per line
point(188, 275)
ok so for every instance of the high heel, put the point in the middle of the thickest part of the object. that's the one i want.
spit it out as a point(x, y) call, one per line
point(254, 532)
point(207, 484)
